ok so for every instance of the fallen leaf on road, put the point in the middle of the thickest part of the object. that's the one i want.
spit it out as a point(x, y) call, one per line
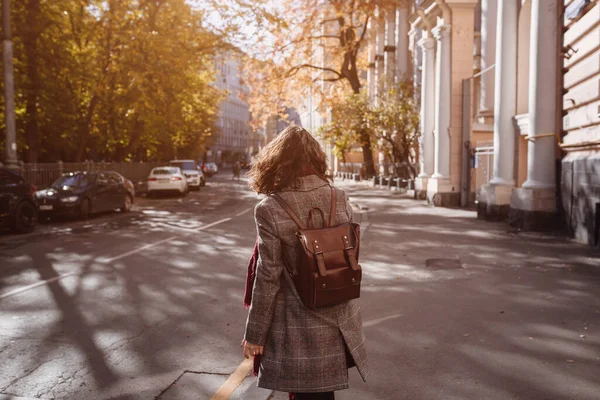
point(467, 335)
point(570, 361)
point(501, 312)
point(582, 336)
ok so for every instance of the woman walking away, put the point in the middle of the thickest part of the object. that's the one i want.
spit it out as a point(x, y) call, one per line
point(303, 351)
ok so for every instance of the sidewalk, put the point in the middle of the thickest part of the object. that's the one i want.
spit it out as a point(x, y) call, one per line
point(459, 308)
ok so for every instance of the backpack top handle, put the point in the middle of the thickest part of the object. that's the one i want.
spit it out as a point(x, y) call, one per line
point(286, 207)
point(309, 221)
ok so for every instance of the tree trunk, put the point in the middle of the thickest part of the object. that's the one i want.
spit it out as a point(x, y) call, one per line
point(365, 139)
point(30, 40)
point(84, 128)
point(350, 72)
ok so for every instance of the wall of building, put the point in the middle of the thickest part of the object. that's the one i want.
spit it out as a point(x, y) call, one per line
point(463, 36)
point(580, 166)
point(232, 143)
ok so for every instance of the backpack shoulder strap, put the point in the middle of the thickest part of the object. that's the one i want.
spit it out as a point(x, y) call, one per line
point(286, 207)
point(333, 207)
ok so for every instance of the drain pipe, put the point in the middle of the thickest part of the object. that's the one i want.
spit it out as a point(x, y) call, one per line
point(465, 139)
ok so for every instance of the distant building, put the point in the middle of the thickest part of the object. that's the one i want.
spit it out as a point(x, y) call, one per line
point(232, 142)
point(276, 124)
point(256, 141)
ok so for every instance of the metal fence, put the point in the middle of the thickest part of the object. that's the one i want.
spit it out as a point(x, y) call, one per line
point(353, 167)
point(401, 170)
point(42, 175)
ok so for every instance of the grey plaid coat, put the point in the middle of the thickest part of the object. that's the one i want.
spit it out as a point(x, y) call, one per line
point(304, 349)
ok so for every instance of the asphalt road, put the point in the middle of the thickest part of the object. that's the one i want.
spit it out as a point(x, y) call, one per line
point(453, 307)
point(140, 297)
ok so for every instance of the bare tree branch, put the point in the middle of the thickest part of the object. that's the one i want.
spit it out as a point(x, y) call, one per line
point(325, 21)
point(339, 78)
point(325, 37)
point(364, 32)
point(294, 70)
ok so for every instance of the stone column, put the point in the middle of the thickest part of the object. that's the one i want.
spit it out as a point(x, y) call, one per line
point(380, 50)
point(542, 95)
point(390, 45)
point(371, 73)
point(495, 197)
point(534, 206)
point(417, 56)
point(505, 101)
point(488, 55)
point(402, 63)
point(427, 45)
point(442, 102)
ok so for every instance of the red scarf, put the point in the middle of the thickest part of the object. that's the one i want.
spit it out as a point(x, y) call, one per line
point(251, 275)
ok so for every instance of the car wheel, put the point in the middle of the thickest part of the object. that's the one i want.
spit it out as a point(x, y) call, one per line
point(85, 209)
point(127, 203)
point(25, 218)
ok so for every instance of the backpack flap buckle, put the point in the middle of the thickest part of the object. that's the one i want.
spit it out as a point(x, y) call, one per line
point(347, 245)
point(320, 258)
point(350, 253)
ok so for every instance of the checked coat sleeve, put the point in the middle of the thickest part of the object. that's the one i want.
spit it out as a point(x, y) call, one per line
point(268, 277)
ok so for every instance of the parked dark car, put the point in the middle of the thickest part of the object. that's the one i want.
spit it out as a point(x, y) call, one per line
point(18, 207)
point(80, 194)
point(210, 169)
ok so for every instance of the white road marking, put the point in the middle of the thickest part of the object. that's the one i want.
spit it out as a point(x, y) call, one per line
point(243, 212)
point(108, 260)
point(20, 290)
point(213, 224)
point(148, 246)
point(376, 321)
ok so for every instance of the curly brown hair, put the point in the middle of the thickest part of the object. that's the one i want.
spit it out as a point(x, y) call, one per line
point(293, 153)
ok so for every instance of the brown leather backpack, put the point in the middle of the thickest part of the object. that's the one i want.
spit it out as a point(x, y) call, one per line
point(328, 272)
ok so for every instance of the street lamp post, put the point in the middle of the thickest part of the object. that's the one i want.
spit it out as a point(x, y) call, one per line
point(9, 88)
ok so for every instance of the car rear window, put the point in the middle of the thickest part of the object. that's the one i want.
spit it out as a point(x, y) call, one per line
point(164, 171)
point(184, 165)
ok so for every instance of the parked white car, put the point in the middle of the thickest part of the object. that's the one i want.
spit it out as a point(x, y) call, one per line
point(167, 179)
point(193, 174)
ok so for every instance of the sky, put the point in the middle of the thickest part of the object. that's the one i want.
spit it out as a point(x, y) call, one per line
point(246, 37)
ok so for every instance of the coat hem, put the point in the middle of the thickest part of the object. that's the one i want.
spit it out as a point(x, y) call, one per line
point(302, 389)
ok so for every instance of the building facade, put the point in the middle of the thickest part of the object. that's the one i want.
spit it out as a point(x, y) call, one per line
point(580, 134)
point(510, 109)
point(235, 139)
